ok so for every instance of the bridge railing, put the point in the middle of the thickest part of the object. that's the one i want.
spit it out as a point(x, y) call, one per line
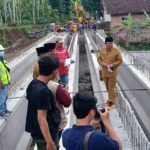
point(70, 49)
point(134, 60)
point(134, 130)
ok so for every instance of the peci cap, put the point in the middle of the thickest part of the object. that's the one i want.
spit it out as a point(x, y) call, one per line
point(1, 48)
point(41, 50)
point(108, 39)
point(59, 39)
point(50, 46)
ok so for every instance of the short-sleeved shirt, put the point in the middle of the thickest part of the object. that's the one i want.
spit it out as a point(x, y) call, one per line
point(41, 98)
point(73, 139)
point(62, 54)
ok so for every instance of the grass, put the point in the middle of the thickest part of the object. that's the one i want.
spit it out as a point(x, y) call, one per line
point(137, 47)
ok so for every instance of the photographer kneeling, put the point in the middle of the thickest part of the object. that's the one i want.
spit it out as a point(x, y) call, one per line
point(84, 107)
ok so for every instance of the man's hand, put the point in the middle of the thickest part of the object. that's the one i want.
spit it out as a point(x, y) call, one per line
point(104, 116)
point(104, 65)
point(50, 146)
point(1, 85)
point(42, 114)
point(110, 68)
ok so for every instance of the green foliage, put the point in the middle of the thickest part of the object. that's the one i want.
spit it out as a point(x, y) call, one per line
point(139, 24)
point(10, 35)
point(42, 11)
point(41, 20)
point(137, 46)
point(128, 23)
point(31, 11)
point(147, 17)
point(93, 7)
point(25, 29)
point(4, 40)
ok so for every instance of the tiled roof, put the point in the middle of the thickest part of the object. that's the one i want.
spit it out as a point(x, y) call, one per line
point(122, 7)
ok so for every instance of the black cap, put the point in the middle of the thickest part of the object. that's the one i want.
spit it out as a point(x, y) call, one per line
point(50, 46)
point(41, 50)
point(108, 39)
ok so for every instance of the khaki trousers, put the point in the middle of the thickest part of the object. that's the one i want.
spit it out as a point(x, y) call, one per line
point(110, 83)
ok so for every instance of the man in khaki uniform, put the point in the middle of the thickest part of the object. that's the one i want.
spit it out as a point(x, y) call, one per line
point(110, 58)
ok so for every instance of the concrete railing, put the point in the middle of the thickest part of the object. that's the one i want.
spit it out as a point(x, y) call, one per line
point(133, 59)
point(70, 49)
point(135, 133)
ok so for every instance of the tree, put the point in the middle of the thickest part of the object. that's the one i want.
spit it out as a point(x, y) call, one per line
point(147, 17)
point(128, 23)
point(92, 6)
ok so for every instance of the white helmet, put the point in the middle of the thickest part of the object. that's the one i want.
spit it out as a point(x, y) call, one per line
point(1, 48)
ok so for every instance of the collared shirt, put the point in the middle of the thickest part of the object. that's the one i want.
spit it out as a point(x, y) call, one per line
point(110, 57)
point(73, 139)
point(36, 70)
point(62, 54)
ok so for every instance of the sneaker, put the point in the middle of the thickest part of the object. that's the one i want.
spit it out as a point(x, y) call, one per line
point(110, 105)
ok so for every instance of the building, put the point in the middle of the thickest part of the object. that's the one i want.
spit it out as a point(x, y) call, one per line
point(117, 10)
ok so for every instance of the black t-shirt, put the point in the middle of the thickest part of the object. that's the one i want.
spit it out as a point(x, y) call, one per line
point(41, 98)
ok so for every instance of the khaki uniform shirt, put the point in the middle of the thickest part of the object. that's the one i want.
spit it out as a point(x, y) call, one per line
point(36, 70)
point(109, 57)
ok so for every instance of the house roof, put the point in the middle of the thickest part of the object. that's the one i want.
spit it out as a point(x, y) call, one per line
point(123, 7)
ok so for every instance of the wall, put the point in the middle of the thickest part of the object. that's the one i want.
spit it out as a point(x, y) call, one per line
point(116, 20)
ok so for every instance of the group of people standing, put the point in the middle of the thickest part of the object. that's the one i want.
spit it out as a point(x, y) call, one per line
point(47, 95)
point(47, 98)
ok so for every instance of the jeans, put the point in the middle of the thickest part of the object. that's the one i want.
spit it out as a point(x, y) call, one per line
point(64, 78)
point(3, 98)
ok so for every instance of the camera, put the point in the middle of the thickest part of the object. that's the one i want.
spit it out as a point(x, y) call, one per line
point(98, 117)
point(101, 108)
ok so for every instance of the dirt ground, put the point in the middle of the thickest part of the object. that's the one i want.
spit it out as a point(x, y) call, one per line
point(17, 42)
point(19, 47)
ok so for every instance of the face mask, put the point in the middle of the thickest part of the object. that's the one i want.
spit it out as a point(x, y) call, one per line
point(2, 54)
